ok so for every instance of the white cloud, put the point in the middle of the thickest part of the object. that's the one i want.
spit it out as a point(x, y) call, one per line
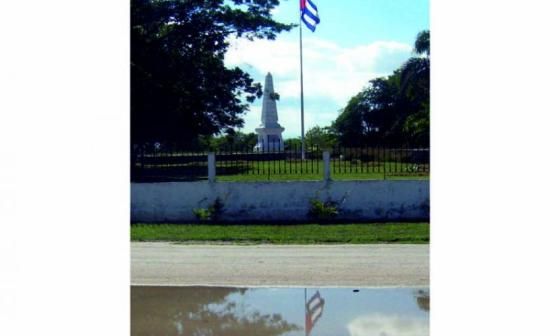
point(332, 75)
point(330, 70)
point(388, 325)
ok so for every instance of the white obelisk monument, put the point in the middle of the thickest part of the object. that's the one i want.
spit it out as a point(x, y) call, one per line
point(269, 131)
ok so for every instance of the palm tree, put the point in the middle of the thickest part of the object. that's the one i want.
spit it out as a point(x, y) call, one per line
point(417, 68)
point(422, 44)
point(415, 85)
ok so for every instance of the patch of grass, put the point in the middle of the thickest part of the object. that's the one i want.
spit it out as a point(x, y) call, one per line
point(313, 170)
point(284, 233)
point(317, 177)
point(283, 170)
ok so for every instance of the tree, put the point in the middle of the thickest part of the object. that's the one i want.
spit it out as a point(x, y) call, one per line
point(383, 114)
point(422, 43)
point(416, 88)
point(394, 109)
point(370, 116)
point(232, 141)
point(180, 87)
point(200, 311)
point(292, 143)
point(348, 127)
point(321, 137)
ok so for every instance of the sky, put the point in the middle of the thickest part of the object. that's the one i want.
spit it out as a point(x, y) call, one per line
point(356, 41)
point(380, 311)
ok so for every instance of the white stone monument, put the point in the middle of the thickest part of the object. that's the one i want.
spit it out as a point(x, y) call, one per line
point(269, 131)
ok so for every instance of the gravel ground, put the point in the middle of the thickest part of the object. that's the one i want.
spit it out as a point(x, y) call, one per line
point(373, 265)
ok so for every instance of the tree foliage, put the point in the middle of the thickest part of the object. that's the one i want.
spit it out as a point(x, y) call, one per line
point(180, 87)
point(422, 43)
point(229, 142)
point(322, 137)
point(200, 311)
point(292, 143)
point(394, 109)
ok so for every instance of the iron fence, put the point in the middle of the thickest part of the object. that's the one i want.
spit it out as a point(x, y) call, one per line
point(386, 161)
point(275, 159)
point(279, 161)
point(162, 165)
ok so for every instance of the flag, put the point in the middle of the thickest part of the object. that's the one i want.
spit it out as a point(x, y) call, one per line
point(309, 14)
point(313, 311)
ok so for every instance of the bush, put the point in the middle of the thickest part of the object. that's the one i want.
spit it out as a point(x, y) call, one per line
point(210, 214)
point(323, 211)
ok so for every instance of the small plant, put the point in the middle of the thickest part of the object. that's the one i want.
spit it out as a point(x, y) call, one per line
point(202, 214)
point(210, 214)
point(323, 211)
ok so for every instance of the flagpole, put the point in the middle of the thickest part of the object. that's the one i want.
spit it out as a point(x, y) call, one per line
point(305, 309)
point(301, 87)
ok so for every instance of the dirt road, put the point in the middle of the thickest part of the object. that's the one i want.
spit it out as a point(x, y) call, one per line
point(280, 265)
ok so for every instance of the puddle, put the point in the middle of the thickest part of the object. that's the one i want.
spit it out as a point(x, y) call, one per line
point(279, 311)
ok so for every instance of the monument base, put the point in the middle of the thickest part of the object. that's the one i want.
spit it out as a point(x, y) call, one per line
point(269, 140)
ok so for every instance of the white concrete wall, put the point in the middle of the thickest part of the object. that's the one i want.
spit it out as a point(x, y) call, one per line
point(281, 201)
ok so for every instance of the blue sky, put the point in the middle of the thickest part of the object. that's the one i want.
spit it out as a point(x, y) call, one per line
point(379, 311)
point(356, 41)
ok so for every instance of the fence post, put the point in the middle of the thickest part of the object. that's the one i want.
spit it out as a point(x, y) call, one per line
point(326, 165)
point(211, 167)
point(384, 158)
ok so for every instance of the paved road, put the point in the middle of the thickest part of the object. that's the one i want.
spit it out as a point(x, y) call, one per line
point(280, 265)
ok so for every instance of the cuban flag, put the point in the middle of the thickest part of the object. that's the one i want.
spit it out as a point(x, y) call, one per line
point(309, 14)
point(313, 311)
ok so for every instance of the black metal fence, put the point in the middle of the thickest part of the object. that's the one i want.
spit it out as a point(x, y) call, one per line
point(281, 162)
point(386, 161)
point(273, 160)
point(165, 165)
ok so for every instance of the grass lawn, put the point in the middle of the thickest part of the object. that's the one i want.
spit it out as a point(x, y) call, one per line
point(313, 171)
point(293, 170)
point(317, 177)
point(417, 233)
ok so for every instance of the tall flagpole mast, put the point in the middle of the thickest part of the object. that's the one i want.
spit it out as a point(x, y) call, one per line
point(305, 309)
point(301, 86)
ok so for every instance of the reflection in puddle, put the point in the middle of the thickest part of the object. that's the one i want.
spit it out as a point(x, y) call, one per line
point(423, 300)
point(313, 310)
point(279, 311)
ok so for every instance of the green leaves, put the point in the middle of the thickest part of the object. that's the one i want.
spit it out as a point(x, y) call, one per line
point(323, 137)
point(323, 211)
point(180, 87)
point(394, 109)
point(210, 214)
point(422, 43)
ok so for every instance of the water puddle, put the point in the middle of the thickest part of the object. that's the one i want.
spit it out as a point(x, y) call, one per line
point(279, 311)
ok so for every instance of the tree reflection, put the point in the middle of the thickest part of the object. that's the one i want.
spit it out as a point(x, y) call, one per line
point(198, 311)
point(423, 300)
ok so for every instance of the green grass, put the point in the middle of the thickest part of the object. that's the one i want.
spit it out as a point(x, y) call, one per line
point(317, 177)
point(297, 171)
point(282, 170)
point(284, 233)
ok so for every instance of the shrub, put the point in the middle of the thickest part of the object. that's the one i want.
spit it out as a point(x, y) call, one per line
point(323, 211)
point(212, 213)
